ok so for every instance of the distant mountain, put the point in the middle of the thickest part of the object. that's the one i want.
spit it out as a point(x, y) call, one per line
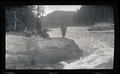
point(57, 18)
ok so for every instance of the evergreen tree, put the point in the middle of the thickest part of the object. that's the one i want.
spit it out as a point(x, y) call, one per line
point(19, 17)
point(89, 14)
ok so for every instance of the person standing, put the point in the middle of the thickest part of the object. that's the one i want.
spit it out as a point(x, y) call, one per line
point(63, 29)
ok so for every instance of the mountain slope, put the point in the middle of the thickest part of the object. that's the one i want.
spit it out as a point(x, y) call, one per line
point(56, 18)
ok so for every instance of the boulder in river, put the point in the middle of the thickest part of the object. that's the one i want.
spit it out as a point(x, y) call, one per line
point(23, 51)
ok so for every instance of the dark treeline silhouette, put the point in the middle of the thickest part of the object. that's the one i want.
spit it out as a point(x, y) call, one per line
point(18, 18)
point(23, 19)
point(90, 14)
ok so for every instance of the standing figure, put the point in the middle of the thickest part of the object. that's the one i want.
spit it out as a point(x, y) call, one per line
point(63, 29)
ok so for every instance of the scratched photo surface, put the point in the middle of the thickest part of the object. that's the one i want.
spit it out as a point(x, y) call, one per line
point(59, 37)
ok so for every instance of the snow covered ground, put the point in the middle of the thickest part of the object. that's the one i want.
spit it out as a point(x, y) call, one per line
point(98, 48)
point(38, 53)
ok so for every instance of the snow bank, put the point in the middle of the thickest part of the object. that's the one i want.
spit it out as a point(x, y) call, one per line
point(102, 58)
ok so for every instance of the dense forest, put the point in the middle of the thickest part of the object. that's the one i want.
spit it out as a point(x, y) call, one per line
point(19, 18)
point(90, 14)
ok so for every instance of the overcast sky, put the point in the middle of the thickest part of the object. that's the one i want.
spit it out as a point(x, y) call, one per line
point(52, 8)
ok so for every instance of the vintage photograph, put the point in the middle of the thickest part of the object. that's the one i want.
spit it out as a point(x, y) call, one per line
point(59, 37)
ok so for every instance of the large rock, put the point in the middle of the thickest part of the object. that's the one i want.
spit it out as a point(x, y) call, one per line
point(23, 52)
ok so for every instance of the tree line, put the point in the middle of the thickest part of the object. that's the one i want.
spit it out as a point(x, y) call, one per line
point(89, 14)
point(19, 18)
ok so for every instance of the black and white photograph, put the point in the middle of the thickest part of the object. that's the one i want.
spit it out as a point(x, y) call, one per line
point(63, 37)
